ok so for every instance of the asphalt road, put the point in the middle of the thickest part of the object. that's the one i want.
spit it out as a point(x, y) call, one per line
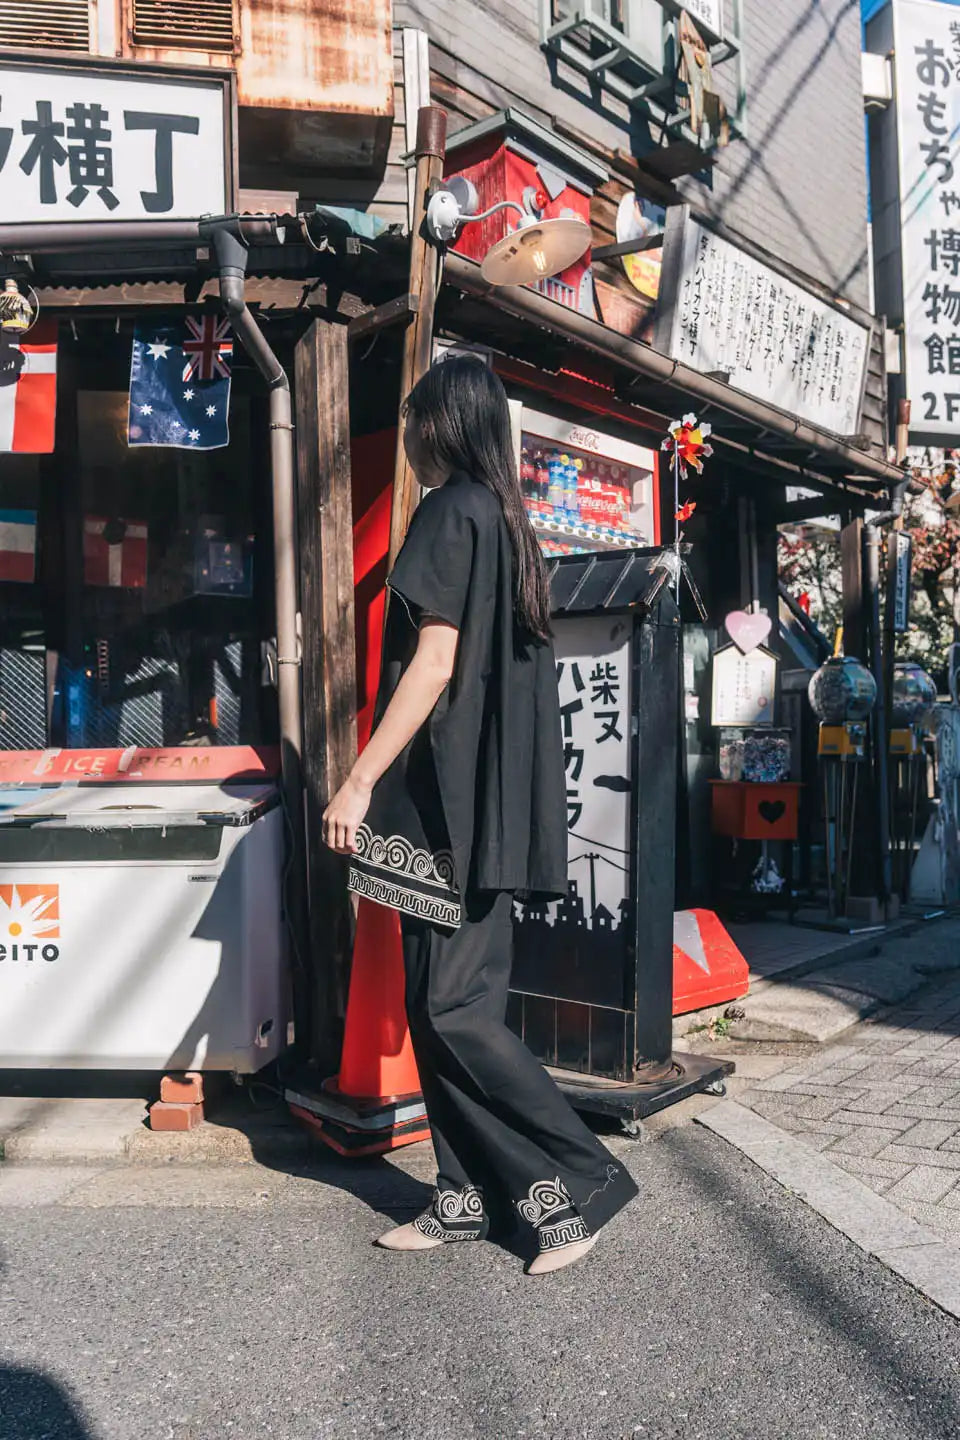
point(244, 1304)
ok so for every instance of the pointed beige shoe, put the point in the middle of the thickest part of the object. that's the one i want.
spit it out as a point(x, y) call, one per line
point(559, 1259)
point(407, 1237)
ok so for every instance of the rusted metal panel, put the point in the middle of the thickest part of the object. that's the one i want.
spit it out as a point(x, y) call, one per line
point(317, 55)
point(334, 56)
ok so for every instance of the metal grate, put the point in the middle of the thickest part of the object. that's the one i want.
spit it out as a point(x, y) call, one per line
point(23, 718)
point(146, 709)
point(184, 24)
point(227, 682)
point(45, 24)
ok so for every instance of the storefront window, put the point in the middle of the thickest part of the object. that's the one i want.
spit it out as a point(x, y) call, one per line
point(149, 602)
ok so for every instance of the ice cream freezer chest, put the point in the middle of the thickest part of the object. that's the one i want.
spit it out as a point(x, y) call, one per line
point(141, 927)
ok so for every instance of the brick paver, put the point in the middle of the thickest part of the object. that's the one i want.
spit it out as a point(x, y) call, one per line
point(884, 1104)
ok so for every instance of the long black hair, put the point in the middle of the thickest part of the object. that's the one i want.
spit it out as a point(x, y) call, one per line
point(462, 410)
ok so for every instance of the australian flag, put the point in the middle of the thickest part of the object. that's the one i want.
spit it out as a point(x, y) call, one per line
point(180, 384)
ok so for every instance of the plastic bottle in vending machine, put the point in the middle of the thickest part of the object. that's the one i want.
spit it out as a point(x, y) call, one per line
point(621, 507)
point(610, 498)
point(571, 502)
point(585, 483)
point(557, 468)
point(541, 477)
point(527, 476)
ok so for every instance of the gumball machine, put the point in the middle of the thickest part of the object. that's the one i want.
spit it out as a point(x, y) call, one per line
point(842, 693)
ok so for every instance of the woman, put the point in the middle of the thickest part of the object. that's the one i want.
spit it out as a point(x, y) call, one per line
point(457, 804)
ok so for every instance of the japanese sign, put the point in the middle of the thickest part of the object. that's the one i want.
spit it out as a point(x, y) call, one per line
point(900, 539)
point(927, 60)
point(723, 312)
point(593, 669)
point(587, 934)
point(110, 145)
point(744, 687)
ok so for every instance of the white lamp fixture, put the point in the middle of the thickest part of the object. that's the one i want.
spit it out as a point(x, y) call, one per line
point(535, 250)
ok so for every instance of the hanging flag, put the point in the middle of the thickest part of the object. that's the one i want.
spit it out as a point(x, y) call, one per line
point(18, 545)
point(114, 552)
point(180, 384)
point(28, 390)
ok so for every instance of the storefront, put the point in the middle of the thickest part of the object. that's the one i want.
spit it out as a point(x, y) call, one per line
point(153, 590)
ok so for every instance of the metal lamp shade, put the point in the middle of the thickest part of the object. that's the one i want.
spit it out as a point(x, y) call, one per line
point(538, 249)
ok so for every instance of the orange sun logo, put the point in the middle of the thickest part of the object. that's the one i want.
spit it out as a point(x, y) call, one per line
point(29, 913)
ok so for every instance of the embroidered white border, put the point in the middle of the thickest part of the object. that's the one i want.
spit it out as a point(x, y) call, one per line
point(397, 897)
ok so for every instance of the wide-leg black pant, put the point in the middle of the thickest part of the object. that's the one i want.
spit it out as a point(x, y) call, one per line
point(498, 1120)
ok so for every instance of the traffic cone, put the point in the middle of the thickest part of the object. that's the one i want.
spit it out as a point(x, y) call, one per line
point(708, 969)
point(374, 1104)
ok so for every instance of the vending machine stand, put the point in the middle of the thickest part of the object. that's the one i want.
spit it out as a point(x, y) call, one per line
point(592, 989)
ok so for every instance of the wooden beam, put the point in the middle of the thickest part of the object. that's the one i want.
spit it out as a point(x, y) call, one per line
point(394, 312)
point(628, 247)
point(424, 284)
point(325, 530)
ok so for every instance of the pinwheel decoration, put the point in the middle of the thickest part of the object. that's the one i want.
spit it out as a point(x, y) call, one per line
point(686, 443)
point(686, 440)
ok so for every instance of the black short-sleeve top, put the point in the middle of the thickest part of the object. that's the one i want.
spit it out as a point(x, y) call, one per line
point(484, 776)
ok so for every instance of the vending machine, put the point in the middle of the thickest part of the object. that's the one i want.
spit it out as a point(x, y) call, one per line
point(586, 491)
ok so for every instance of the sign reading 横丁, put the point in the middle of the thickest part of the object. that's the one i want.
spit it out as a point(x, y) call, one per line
point(927, 63)
point(79, 144)
point(722, 311)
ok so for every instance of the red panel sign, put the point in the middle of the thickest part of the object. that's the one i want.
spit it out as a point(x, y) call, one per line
point(196, 764)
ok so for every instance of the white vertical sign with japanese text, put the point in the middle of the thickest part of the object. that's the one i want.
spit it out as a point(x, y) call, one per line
point(593, 669)
point(927, 70)
point(722, 311)
point(109, 144)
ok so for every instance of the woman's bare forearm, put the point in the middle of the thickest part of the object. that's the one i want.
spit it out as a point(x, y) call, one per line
point(420, 687)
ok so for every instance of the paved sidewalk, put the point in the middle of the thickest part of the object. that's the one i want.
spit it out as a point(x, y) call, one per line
point(241, 1302)
point(884, 1104)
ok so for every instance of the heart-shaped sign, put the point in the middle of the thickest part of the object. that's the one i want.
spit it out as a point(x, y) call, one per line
point(747, 631)
point(771, 810)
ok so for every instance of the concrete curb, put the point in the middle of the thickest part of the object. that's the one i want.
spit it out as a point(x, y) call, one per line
point(913, 1252)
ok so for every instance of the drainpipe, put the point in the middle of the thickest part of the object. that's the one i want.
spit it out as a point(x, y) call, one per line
point(230, 249)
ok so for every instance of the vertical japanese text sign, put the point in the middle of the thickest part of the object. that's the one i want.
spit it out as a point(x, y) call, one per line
point(927, 61)
point(723, 311)
point(87, 143)
point(593, 668)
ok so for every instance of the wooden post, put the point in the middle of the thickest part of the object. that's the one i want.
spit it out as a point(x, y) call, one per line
point(851, 558)
point(325, 531)
point(423, 286)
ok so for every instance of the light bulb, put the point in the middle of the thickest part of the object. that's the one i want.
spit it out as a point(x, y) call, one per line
point(532, 241)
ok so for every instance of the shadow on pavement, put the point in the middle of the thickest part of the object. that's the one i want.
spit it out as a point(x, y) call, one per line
point(829, 1296)
point(35, 1408)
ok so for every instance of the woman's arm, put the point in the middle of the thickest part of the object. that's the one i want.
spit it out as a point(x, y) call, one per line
point(420, 687)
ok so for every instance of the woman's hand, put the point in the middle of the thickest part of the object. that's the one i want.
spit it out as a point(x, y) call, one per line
point(344, 814)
